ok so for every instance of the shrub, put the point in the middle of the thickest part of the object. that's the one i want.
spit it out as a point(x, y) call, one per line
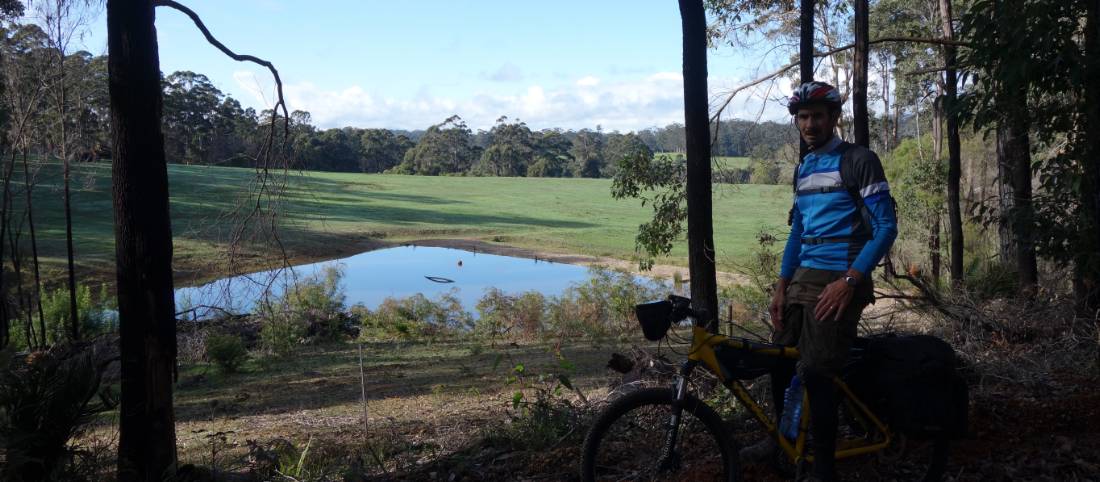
point(46, 401)
point(96, 314)
point(415, 317)
point(312, 306)
point(227, 351)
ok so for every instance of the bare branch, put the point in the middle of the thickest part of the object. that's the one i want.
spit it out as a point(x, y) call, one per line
point(782, 70)
point(280, 103)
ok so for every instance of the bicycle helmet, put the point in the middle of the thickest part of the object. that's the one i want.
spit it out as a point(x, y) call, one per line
point(813, 93)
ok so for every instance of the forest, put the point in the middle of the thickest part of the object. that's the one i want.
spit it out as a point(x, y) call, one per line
point(123, 184)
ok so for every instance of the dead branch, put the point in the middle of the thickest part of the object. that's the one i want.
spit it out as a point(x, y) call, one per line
point(280, 102)
point(782, 70)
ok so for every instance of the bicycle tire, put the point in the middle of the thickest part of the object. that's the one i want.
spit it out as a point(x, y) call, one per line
point(626, 440)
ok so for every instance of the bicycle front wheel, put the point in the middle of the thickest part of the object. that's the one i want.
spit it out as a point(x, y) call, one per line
point(628, 441)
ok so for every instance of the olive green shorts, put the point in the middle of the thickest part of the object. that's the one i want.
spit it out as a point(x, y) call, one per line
point(822, 344)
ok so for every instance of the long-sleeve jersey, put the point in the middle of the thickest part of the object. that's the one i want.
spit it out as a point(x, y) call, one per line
point(829, 230)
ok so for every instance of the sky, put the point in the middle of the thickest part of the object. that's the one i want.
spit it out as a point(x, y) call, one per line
point(410, 64)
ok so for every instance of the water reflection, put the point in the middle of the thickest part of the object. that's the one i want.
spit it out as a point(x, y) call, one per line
point(371, 277)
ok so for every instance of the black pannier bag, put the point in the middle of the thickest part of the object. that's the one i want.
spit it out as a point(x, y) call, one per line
point(912, 383)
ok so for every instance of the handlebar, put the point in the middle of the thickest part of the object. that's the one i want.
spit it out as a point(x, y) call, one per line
point(657, 317)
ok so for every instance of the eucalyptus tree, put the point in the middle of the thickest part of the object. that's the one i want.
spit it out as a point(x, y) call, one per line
point(446, 147)
point(381, 149)
point(64, 20)
point(551, 155)
point(143, 246)
point(587, 153)
point(190, 107)
point(1035, 61)
point(511, 149)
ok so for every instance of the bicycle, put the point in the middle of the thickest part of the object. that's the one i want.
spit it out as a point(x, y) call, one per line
point(688, 432)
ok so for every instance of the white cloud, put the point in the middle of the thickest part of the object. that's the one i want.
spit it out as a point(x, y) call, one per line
point(646, 100)
point(588, 81)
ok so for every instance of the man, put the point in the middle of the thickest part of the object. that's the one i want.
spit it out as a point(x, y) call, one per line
point(842, 224)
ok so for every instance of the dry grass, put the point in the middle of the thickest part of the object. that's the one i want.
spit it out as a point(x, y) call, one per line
point(425, 401)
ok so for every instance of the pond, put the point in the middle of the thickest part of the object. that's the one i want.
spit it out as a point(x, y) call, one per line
point(371, 277)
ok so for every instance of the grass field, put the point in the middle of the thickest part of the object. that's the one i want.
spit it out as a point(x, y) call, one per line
point(327, 215)
point(720, 162)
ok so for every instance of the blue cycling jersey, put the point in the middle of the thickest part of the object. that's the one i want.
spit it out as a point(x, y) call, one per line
point(829, 230)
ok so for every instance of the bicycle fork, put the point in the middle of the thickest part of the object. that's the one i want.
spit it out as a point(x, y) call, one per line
point(670, 459)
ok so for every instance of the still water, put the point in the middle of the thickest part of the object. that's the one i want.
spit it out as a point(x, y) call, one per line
point(371, 277)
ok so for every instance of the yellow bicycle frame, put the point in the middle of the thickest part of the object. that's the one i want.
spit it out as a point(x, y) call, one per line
point(702, 351)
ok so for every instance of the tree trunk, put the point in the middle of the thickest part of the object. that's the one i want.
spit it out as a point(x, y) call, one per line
point(1088, 294)
point(34, 242)
point(805, 56)
point(5, 202)
point(74, 322)
point(1021, 219)
point(1006, 197)
point(886, 105)
point(954, 167)
point(861, 130)
point(934, 246)
point(704, 284)
point(143, 245)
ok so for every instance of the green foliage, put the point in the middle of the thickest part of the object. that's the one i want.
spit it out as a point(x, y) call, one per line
point(540, 413)
point(96, 315)
point(414, 317)
point(444, 148)
point(659, 182)
point(313, 306)
point(1034, 70)
point(521, 316)
point(227, 351)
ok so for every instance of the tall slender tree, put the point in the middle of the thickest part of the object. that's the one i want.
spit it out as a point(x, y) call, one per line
point(954, 159)
point(704, 284)
point(861, 129)
point(143, 245)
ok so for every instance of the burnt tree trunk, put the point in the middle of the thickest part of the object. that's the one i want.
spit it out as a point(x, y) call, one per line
point(143, 245)
point(954, 160)
point(861, 129)
point(704, 284)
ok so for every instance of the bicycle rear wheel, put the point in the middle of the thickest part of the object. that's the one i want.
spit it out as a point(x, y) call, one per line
point(627, 442)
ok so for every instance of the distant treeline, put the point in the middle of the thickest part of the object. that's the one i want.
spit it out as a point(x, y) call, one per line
point(203, 125)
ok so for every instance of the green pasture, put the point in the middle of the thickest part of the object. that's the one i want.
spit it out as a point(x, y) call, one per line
point(720, 162)
point(325, 215)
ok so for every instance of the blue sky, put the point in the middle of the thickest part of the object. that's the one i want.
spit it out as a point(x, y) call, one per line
point(409, 64)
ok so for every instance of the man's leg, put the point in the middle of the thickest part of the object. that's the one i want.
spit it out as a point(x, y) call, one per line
point(824, 346)
point(780, 376)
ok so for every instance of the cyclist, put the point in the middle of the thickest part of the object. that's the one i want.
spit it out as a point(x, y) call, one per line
point(842, 224)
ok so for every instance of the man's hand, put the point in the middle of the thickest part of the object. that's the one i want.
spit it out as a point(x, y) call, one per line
point(776, 308)
point(835, 298)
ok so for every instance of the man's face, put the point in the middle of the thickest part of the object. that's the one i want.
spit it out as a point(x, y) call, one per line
point(816, 124)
